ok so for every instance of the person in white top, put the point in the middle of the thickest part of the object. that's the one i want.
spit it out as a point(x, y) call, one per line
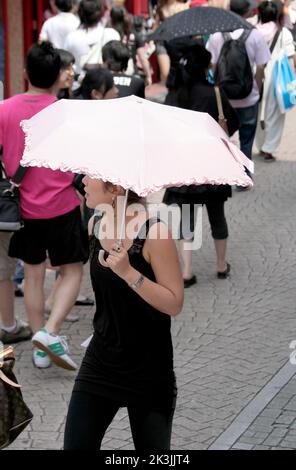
point(87, 41)
point(57, 28)
point(259, 55)
point(271, 121)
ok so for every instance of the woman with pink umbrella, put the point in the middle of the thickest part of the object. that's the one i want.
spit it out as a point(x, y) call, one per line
point(139, 286)
point(129, 362)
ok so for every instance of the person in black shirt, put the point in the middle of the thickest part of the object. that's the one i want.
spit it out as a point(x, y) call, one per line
point(123, 23)
point(189, 89)
point(98, 84)
point(129, 361)
point(115, 57)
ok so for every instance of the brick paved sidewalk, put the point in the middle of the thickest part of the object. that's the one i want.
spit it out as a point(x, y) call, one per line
point(275, 427)
point(232, 337)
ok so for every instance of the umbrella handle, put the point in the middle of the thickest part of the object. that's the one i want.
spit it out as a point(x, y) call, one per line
point(102, 252)
point(102, 259)
point(122, 230)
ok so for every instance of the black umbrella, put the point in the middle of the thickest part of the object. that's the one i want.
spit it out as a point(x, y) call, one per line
point(199, 21)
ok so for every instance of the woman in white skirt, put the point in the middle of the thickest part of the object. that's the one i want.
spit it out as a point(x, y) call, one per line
point(270, 120)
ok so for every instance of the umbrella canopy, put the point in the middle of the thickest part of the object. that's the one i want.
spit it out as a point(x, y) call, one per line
point(198, 21)
point(138, 144)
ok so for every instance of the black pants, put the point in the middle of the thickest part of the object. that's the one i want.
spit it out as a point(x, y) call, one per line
point(90, 415)
point(217, 219)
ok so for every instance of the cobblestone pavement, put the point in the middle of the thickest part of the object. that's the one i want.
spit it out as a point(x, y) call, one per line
point(232, 337)
point(275, 427)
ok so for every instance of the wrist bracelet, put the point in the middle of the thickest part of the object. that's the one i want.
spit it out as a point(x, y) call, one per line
point(138, 283)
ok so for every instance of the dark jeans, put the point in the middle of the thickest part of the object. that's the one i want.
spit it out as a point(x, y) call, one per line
point(248, 123)
point(19, 273)
point(90, 415)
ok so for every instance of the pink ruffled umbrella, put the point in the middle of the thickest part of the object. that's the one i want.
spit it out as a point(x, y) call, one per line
point(135, 143)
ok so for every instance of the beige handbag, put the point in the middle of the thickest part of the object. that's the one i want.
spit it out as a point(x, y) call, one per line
point(221, 118)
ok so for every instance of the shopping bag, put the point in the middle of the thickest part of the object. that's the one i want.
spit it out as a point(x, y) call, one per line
point(284, 83)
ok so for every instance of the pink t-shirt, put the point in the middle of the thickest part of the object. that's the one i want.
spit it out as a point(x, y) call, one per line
point(45, 194)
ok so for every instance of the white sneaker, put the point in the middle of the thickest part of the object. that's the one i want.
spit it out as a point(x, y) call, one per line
point(40, 359)
point(56, 347)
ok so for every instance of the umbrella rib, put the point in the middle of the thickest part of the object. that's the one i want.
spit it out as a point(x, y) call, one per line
point(142, 160)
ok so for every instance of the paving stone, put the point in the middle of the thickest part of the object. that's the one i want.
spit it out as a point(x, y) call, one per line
point(272, 441)
point(277, 432)
point(271, 413)
point(260, 447)
point(45, 444)
point(243, 447)
point(285, 419)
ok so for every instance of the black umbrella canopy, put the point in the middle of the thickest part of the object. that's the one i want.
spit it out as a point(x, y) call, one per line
point(199, 21)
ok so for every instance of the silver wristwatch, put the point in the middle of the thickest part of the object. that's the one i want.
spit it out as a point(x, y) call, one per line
point(138, 283)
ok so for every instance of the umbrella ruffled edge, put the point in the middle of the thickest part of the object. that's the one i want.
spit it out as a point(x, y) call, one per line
point(26, 161)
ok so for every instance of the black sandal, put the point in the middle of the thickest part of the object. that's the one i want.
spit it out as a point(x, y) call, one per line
point(190, 282)
point(85, 303)
point(224, 274)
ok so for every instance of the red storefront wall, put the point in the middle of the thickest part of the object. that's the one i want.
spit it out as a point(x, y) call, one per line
point(33, 14)
point(6, 43)
point(138, 7)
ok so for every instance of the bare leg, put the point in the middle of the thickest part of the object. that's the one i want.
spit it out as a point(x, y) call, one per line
point(220, 246)
point(34, 295)
point(164, 67)
point(50, 299)
point(65, 295)
point(186, 256)
point(7, 303)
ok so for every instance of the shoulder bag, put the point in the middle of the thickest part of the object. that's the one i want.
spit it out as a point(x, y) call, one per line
point(221, 118)
point(10, 212)
point(14, 413)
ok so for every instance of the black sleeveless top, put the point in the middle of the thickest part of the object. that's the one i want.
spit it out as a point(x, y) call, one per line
point(130, 357)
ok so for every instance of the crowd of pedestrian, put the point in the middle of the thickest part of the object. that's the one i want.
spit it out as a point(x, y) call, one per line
point(88, 50)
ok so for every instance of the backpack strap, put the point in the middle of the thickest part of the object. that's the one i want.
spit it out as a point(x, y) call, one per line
point(219, 104)
point(221, 117)
point(226, 37)
point(246, 33)
point(94, 50)
point(98, 215)
point(275, 39)
point(18, 176)
point(2, 171)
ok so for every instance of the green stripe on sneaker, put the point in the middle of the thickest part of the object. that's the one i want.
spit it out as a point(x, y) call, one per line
point(57, 349)
point(41, 353)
